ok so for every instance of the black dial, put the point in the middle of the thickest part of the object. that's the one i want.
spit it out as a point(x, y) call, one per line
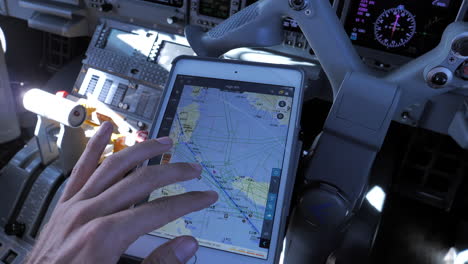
point(395, 27)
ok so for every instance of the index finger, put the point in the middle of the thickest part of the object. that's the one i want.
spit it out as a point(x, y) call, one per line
point(88, 161)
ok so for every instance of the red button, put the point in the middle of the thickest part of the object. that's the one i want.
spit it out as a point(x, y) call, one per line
point(62, 94)
point(141, 136)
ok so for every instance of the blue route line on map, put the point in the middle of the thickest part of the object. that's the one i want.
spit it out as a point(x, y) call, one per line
point(214, 178)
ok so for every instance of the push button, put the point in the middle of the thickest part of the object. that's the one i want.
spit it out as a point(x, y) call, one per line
point(9, 257)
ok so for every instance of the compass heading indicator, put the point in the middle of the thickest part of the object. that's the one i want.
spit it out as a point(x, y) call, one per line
point(407, 28)
point(395, 27)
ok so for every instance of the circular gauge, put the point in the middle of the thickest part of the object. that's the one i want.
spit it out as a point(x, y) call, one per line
point(395, 27)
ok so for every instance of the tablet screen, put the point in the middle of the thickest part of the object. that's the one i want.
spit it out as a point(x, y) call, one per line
point(237, 131)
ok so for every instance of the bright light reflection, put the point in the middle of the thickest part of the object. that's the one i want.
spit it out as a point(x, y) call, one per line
point(271, 58)
point(462, 257)
point(3, 41)
point(281, 260)
point(376, 197)
point(137, 40)
point(450, 256)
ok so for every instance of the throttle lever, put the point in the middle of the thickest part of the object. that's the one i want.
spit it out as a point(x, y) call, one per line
point(258, 25)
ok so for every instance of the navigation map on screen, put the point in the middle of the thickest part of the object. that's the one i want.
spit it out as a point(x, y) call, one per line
point(237, 131)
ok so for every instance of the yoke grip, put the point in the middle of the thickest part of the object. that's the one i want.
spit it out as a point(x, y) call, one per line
point(255, 26)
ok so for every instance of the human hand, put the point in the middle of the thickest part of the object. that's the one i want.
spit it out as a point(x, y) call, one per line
point(93, 221)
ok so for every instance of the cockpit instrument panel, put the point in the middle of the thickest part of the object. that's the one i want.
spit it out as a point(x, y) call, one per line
point(126, 68)
point(131, 44)
point(213, 8)
point(209, 13)
point(405, 27)
point(174, 3)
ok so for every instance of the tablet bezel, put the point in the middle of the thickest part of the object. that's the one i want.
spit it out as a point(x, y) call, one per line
point(247, 72)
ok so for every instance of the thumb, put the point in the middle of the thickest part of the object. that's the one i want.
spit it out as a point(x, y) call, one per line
point(177, 251)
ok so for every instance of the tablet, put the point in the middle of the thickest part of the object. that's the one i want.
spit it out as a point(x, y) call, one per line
point(240, 121)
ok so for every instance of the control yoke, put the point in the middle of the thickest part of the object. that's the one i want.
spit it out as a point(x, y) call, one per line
point(364, 105)
point(260, 25)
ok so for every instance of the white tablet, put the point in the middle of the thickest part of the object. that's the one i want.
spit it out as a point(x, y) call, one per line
point(240, 122)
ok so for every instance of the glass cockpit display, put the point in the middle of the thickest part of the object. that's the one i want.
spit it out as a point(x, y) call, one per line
point(215, 8)
point(405, 27)
point(137, 42)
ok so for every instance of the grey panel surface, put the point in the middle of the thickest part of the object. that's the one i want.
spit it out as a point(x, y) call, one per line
point(353, 109)
point(353, 134)
point(77, 26)
point(3, 10)
point(12, 245)
point(16, 177)
point(52, 8)
point(52, 205)
point(363, 110)
point(15, 10)
point(37, 201)
point(71, 143)
point(440, 111)
point(46, 143)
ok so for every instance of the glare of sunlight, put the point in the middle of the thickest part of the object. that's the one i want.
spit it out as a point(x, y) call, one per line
point(376, 197)
point(137, 40)
point(130, 39)
point(462, 257)
point(451, 255)
point(271, 58)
